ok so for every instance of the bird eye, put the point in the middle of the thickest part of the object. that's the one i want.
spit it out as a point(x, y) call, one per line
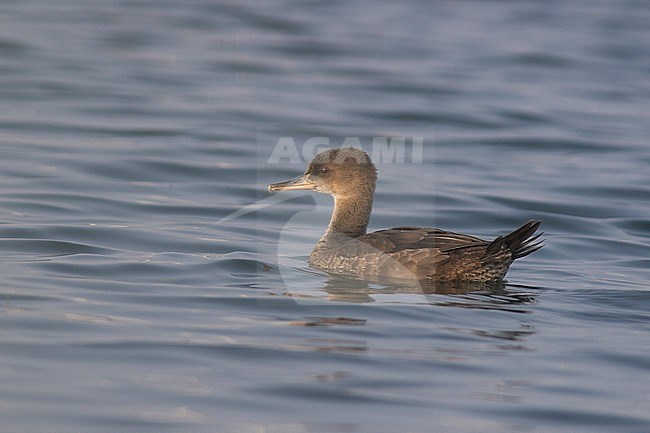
point(324, 170)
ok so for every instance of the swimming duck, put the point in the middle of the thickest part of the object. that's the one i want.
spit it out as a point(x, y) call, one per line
point(432, 254)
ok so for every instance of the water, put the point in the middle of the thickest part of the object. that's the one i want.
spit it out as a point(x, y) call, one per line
point(132, 298)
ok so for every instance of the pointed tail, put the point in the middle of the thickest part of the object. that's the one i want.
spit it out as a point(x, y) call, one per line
point(520, 242)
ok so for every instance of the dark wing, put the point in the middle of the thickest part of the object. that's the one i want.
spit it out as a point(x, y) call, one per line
point(414, 238)
point(451, 256)
point(426, 251)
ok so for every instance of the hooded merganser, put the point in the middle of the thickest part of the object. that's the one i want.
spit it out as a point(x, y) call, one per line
point(349, 176)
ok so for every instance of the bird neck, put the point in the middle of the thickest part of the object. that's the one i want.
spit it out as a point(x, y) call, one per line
point(351, 215)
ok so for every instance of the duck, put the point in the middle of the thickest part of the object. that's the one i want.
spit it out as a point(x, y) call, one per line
point(414, 253)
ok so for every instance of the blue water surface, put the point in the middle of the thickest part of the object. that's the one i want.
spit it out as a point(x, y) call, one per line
point(150, 283)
